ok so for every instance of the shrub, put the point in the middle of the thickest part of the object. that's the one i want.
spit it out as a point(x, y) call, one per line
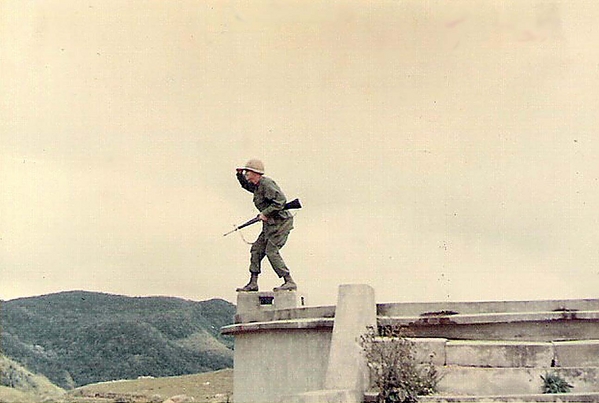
point(394, 369)
point(553, 383)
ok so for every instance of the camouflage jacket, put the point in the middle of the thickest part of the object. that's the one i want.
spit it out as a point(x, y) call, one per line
point(268, 198)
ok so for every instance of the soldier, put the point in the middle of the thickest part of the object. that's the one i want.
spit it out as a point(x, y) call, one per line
point(276, 224)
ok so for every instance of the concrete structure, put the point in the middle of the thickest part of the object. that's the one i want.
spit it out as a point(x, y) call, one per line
point(301, 359)
point(498, 354)
point(576, 353)
point(356, 311)
point(285, 353)
point(276, 358)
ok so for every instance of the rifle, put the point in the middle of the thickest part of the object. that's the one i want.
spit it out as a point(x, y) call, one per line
point(293, 204)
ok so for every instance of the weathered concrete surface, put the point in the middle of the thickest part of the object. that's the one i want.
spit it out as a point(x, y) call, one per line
point(301, 360)
point(260, 306)
point(426, 350)
point(506, 354)
point(275, 363)
point(471, 381)
point(532, 326)
point(285, 300)
point(305, 313)
point(591, 397)
point(579, 353)
point(250, 308)
point(499, 354)
point(430, 350)
point(356, 310)
point(325, 396)
point(284, 352)
point(250, 301)
point(240, 328)
point(421, 309)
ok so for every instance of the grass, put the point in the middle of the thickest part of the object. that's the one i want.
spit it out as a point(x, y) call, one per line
point(209, 387)
point(10, 395)
point(206, 387)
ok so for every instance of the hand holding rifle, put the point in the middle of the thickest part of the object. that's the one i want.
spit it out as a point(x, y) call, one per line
point(293, 204)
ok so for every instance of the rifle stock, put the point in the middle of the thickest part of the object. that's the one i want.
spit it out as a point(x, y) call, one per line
point(293, 204)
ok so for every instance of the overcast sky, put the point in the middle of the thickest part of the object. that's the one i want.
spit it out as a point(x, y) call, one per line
point(443, 150)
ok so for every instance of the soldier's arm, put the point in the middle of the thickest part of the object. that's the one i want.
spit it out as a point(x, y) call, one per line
point(247, 185)
point(275, 197)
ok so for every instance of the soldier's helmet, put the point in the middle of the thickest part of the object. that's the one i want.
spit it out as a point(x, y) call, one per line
point(254, 165)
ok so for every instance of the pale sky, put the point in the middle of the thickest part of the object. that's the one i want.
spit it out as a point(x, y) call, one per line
point(443, 150)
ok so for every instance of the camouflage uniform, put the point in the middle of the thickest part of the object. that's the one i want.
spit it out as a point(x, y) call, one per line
point(269, 200)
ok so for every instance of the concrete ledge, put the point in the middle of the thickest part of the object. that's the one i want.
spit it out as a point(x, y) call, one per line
point(278, 325)
point(528, 326)
point(556, 397)
point(472, 381)
point(580, 353)
point(431, 350)
point(475, 307)
point(370, 397)
point(499, 354)
point(505, 354)
point(325, 396)
point(505, 317)
point(311, 312)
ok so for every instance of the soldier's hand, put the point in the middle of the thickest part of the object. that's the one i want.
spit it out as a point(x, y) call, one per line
point(262, 217)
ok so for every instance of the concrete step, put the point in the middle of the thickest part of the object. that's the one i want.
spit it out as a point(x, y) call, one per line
point(499, 354)
point(370, 397)
point(581, 353)
point(473, 381)
point(508, 354)
point(557, 397)
point(559, 324)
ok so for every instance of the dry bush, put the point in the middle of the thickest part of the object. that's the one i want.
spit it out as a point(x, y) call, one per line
point(394, 370)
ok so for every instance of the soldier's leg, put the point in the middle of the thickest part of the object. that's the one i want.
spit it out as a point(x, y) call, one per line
point(275, 240)
point(275, 258)
point(257, 253)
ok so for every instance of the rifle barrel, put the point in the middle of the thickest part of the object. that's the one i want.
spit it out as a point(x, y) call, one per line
point(250, 222)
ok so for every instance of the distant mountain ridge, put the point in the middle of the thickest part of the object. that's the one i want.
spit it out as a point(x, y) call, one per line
point(77, 337)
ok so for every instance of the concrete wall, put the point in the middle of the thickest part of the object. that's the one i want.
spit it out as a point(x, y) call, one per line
point(309, 354)
point(301, 360)
point(271, 364)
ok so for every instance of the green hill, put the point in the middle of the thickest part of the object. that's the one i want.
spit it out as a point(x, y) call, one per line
point(19, 385)
point(76, 338)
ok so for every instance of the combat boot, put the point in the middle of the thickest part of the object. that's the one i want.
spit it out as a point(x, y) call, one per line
point(252, 285)
point(288, 285)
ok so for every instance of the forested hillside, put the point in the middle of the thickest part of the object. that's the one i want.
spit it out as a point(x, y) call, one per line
point(76, 338)
point(23, 383)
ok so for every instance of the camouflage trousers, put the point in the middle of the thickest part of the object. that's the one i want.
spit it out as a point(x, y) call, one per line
point(272, 238)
